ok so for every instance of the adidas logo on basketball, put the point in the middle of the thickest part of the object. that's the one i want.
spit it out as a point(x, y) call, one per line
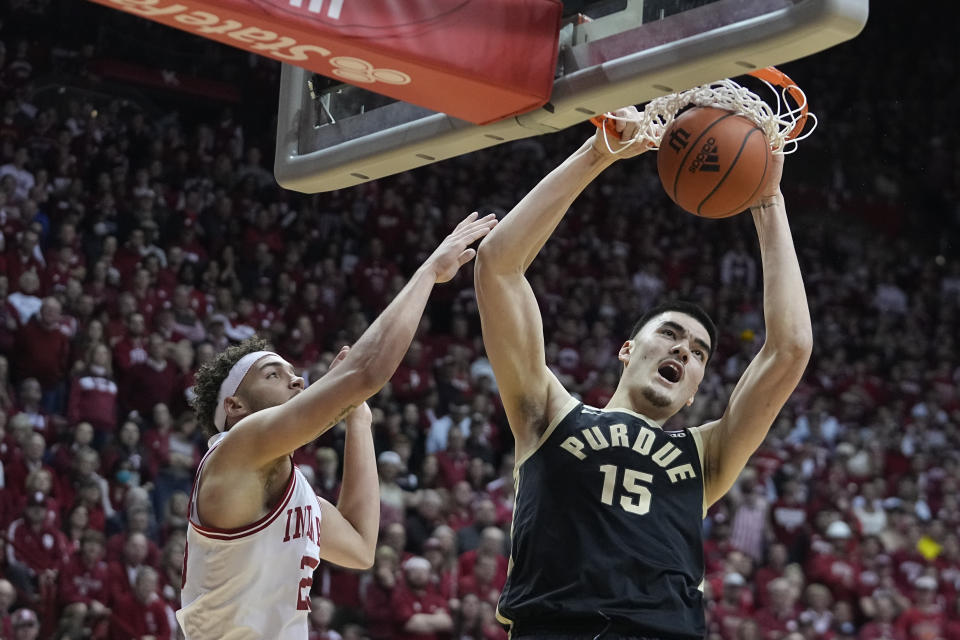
point(708, 159)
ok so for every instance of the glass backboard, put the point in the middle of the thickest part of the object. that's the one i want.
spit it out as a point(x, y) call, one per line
point(331, 136)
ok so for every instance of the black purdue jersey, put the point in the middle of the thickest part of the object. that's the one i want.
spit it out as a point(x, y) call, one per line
point(607, 530)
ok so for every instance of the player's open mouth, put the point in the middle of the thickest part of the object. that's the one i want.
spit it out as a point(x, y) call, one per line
point(670, 371)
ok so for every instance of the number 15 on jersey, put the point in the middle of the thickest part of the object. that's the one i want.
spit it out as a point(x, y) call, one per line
point(637, 498)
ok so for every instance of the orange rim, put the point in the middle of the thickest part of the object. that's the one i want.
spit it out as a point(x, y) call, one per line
point(772, 75)
point(779, 79)
point(604, 121)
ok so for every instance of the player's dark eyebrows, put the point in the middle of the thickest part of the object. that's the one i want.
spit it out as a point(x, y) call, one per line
point(682, 332)
point(274, 363)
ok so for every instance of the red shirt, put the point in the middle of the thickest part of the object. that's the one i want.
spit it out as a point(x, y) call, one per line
point(82, 583)
point(406, 603)
point(40, 550)
point(839, 574)
point(93, 399)
point(133, 619)
point(149, 384)
point(128, 352)
point(42, 353)
point(468, 559)
point(453, 466)
point(772, 626)
point(377, 611)
point(117, 541)
point(725, 620)
point(917, 624)
point(881, 631)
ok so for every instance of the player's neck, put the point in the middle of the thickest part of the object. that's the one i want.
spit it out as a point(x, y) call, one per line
point(621, 401)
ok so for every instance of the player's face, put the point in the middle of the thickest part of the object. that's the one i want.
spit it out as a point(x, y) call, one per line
point(271, 381)
point(664, 363)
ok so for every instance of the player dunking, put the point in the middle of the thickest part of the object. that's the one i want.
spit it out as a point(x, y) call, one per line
point(257, 530)
point(607, 523)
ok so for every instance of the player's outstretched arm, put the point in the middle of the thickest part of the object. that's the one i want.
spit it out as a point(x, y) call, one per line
point(774, 373)
point(510, 318)
point(265, 436)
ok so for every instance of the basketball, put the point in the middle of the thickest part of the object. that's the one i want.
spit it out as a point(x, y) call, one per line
point(712, 162)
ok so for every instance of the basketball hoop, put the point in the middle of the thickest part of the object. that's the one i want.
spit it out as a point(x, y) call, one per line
point(783, 127)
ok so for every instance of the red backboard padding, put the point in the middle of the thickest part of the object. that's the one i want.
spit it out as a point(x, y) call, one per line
point(478, 60)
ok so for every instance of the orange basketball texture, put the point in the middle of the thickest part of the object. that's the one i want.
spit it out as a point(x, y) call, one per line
point(713, 162)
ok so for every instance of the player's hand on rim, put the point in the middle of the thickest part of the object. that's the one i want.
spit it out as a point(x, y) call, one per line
point(617, 147)
point(454, 251)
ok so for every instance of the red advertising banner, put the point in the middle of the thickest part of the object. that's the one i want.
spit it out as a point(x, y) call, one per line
point(478, 60)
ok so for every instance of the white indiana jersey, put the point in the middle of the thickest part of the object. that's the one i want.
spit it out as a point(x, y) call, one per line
point(253, 582)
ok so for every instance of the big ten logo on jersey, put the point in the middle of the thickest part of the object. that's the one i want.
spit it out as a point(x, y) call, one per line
point(260, 40)
point(638, 440)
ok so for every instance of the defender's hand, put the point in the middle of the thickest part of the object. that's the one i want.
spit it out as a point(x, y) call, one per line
point(453, 252)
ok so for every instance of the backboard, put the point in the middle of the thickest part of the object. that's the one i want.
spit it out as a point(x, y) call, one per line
point(332, 136)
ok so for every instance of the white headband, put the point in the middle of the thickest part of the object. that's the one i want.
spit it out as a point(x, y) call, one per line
point(232, 382)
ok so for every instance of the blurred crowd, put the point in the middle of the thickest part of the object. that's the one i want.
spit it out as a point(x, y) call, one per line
point(136, 243)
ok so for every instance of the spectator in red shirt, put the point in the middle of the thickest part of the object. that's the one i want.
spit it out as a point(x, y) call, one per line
point(881, 627)
point(141, 612)
point(35, 547)
point(86, 465)
point(419, 614)
point(779, 618)
point(131, 349)
point(818, 612)
point(29, 406)
point(156, 439)
point(43, 352)
point(454, 459)
point(926, 619)
point(153, 381)
point(377, 592)
point(137, 521)
point(30, 460)
point(776, 563)
point(84, 580)
point(93, 393)
point(727, 613)
point(322, 611)
point(493, 545)
point(123, 572)
point(413, 379)
point(790, 518)
point(63, 454)
point(837, 568)
point(483, 580)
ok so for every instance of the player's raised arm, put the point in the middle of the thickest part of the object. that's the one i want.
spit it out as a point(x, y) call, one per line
point(510, 318)
point(775, 371)
point(264, 436)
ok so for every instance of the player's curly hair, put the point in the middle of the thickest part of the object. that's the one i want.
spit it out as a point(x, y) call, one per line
point(212, 374)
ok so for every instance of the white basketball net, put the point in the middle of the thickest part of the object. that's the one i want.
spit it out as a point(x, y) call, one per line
point(724, 94)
